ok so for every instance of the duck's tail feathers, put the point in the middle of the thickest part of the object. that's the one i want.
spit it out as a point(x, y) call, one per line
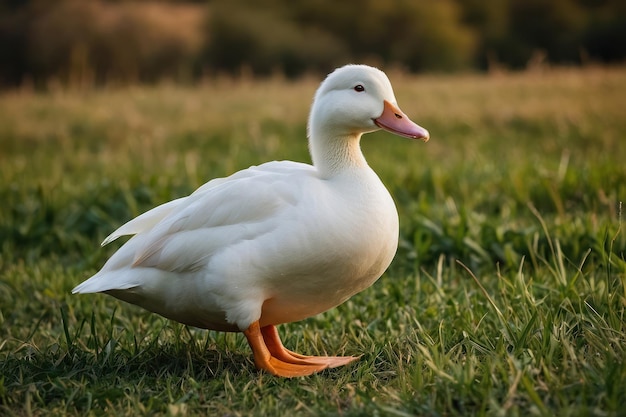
point(102, 282)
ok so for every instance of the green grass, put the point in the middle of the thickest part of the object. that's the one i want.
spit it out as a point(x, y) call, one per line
point(507, 295)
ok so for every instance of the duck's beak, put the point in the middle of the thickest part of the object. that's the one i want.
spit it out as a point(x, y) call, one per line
point(395, 121)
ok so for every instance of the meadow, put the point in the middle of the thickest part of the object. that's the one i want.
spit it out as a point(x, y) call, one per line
point(507, 295)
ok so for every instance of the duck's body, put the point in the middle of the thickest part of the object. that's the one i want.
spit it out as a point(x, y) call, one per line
point(274, 243)
point(211, 262)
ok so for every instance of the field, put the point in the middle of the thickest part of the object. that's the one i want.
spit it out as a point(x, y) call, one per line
point(507, 295)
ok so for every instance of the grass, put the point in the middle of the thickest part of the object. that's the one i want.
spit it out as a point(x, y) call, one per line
point(507, 295)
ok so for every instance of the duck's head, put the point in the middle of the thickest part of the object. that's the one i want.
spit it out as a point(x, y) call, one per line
point(357, 99)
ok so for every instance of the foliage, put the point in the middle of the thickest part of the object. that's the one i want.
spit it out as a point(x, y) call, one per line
point(83, 43)
point(507, 295)
point(95, 42)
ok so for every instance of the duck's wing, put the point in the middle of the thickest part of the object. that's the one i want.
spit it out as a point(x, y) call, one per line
point(152, 217)
point(236, 211)
point(180, 235)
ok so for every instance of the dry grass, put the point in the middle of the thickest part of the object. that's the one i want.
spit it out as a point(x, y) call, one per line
point(510, 115)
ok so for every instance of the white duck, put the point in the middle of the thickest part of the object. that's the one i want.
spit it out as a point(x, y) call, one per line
point(273, 243)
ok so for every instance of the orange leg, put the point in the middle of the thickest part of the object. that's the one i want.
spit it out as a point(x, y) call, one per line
point(271, 356)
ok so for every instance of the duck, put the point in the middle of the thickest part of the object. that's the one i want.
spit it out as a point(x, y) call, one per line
point(274, 243)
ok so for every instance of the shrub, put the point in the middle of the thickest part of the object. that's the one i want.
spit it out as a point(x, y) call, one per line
point(92, 41)
point(264, 41)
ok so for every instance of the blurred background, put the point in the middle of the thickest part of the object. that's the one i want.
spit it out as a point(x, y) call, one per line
point(103, 42)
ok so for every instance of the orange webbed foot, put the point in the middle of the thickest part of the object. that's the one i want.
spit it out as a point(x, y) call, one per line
point(271, 356)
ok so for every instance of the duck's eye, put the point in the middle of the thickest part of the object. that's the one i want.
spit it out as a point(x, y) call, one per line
point(359, 88)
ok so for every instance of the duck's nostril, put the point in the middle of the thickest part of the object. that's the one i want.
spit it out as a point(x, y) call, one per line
point(398, 116)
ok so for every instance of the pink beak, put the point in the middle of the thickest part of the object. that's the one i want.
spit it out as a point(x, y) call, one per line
point(394, 121)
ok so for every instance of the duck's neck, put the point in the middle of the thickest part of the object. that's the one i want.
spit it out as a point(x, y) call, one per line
point(336, 154)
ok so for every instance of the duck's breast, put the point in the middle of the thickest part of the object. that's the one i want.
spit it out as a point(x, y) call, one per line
point(340, 242)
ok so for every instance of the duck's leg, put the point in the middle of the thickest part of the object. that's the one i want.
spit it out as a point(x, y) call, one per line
point(271, 356)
